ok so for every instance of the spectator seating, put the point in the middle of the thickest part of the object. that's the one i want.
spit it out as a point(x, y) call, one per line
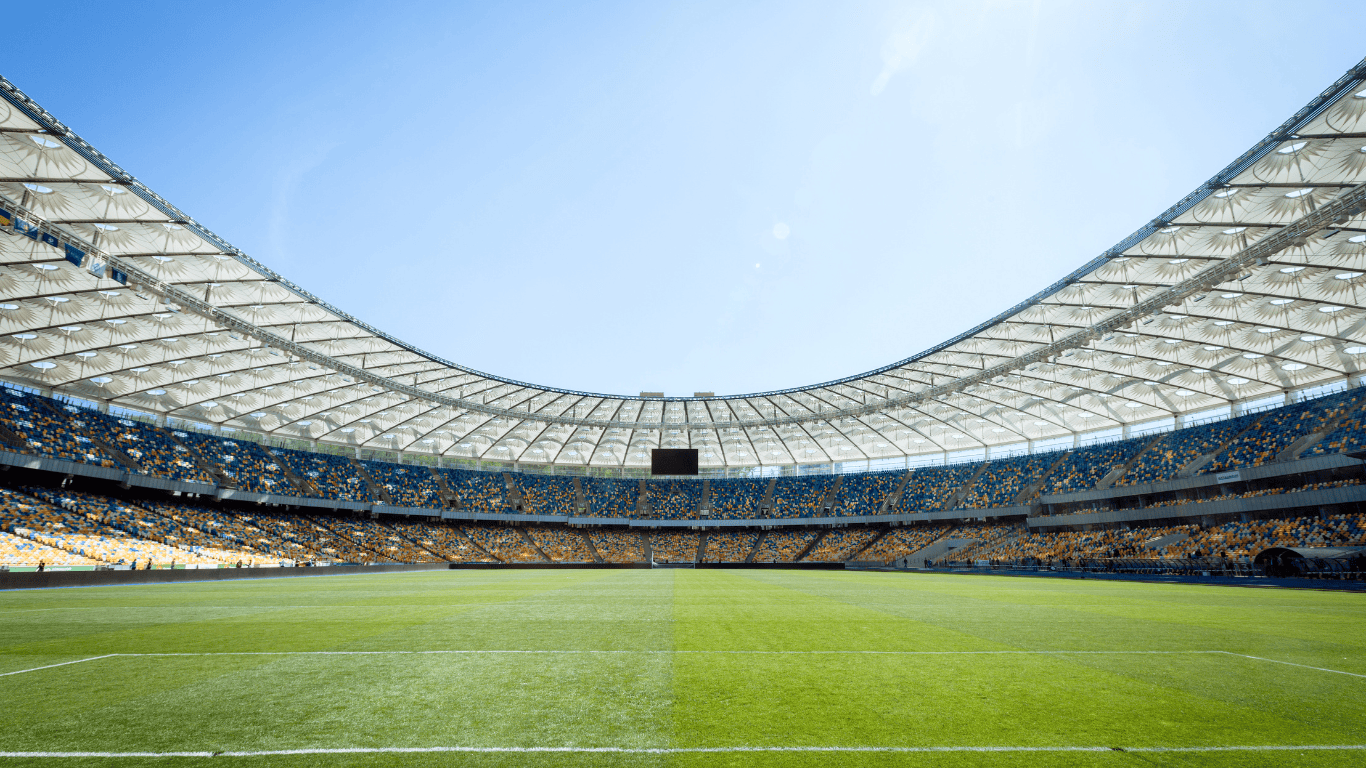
point(477, 491)
point(152, 448)
point(1244, 540)
point(562, 545)
point(901, 542)
point(931, 488)
point(1002, 480)
point(1348, 437)
point(238, 532)
point(19, 551)
point(618, 546)
point(445, 541)
point(606, 497)
point(408, 486)
point(985, 537)
point(674, 546)
point(783, 546)
point(82, 533)
point(1281, 427)
point(546, 495)
point(334, 477)
point(378, 538)
point(1084, 468)
point(46, 430)
point(144, 523)
point(800, 496)
point(1165, 459)
point(840, 544)
point(729, 546)
point(737, 499)
point(246, 463)
point(506, 544)
point(318, 541)
point(674, 500)
point(863, 494)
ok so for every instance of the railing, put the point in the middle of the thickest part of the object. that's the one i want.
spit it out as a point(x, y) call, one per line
point(1341, 569)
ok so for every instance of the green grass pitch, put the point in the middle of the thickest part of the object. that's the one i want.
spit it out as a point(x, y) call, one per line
point(678, 660)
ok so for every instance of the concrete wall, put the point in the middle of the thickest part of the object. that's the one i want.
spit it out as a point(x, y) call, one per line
point(48, 579)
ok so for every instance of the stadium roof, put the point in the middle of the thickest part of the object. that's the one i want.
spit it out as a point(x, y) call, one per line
point(1252, 285)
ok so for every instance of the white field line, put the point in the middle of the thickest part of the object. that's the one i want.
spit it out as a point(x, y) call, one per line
point(474, 652)
point(63, 664)
point(686, 750)
point(1291, 664)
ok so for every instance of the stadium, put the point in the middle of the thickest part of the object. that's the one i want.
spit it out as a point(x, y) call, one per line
point(1119, 523)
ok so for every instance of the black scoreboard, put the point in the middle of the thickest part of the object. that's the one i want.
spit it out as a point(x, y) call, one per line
point(673, 461)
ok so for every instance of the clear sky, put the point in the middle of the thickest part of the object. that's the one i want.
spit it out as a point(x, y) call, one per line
point(673, 197)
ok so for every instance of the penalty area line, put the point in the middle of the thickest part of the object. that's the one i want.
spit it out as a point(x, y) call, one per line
point(686, 750)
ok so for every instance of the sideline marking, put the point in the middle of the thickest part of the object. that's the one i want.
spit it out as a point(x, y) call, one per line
point(63, 664)
point(639, 652)
point(1291, 664)
point(685, 750)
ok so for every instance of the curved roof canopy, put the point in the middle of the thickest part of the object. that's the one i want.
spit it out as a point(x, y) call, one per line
point(1251, 285)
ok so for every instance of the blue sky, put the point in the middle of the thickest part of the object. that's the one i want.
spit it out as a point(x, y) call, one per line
point(727, 197)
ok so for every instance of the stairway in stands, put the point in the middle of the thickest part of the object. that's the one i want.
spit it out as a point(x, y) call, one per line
point(827, 502)
point(447, 495)
point(378, 493)
point(815, 542)
point(1114, 475)
point(955, 499)
point(895, 496)
point(766, 503)
point(212, 469)
point(1031, 491)
point(1200, 461)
